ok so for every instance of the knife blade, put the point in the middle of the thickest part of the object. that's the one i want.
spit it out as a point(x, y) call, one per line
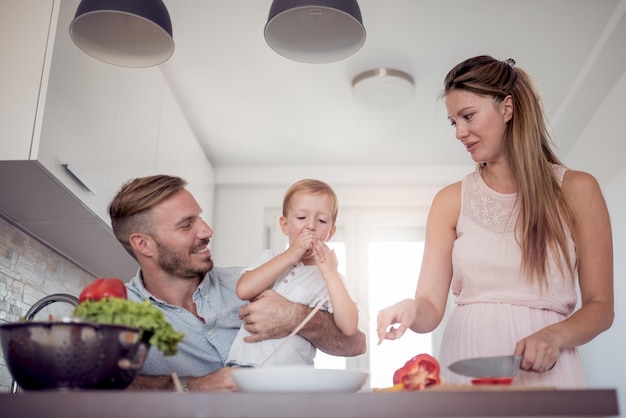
point(497, 366)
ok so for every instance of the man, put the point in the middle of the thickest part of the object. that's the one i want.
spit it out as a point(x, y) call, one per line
point(158, 222)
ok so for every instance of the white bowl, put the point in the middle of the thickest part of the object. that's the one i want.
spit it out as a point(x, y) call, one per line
point(301, 379)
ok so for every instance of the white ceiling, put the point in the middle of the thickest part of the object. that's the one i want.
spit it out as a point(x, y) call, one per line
point(250, 106)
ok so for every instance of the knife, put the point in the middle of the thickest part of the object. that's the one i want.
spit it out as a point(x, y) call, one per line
point(498, 366)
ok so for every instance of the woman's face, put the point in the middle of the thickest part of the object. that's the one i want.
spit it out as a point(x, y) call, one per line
point(480, 123)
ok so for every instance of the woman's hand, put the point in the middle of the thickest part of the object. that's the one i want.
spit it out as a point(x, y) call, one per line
point(540, 351)
point(396, 319)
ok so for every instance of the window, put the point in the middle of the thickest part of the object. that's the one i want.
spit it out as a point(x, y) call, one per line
point(393, 271)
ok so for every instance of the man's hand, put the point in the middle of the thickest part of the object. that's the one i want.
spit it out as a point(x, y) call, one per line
point(270, 315)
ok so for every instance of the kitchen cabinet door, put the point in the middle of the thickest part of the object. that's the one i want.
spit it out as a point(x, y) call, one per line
point(23, 40)
point(100, 123)
point(85, 128)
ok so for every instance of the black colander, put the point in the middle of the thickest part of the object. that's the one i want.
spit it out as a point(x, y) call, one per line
point(73, 354)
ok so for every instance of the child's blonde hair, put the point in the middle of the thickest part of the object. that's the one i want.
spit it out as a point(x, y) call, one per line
point(311, 186)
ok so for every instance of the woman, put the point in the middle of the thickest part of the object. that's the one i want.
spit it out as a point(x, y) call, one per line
point(510, 239)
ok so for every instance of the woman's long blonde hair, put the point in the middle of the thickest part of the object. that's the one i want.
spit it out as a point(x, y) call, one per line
point(545, 215)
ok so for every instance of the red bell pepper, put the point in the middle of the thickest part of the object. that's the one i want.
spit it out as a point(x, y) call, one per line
point(418, 373)
point(103, 288)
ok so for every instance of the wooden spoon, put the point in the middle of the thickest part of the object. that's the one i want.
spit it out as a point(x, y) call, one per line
point(296, 330)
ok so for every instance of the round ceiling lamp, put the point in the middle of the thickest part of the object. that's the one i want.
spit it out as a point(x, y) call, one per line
point(128, 33)
point(383, 88)
point(315, 31)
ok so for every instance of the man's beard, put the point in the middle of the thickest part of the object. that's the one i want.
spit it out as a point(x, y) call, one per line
point(176, 264)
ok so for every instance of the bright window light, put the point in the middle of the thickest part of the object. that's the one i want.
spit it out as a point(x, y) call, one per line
point(393, 272)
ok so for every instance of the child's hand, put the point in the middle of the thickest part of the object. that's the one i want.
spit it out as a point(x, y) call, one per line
point(302, 244)
point(325, 258)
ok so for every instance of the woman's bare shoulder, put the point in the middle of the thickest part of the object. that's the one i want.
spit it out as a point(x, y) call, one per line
point(578, 182)
point(451, 191)
point(448, 199)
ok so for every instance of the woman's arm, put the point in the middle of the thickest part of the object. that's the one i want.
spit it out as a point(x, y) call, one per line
point(594, 243)
point(594, 250)
point(424, 312)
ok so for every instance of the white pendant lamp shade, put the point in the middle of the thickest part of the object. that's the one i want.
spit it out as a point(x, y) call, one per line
point(128, 33)
point(315, 31)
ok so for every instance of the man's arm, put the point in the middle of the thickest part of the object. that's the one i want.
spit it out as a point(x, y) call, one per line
point(272, 316)
point(144, 382)
point(324, 335)
point(219, 380)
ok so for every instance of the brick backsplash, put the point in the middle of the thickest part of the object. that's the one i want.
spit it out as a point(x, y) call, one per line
point(29, 270)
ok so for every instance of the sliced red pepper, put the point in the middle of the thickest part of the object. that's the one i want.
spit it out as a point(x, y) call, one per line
point(418, 373)
point(103, 288)
point(492, 381)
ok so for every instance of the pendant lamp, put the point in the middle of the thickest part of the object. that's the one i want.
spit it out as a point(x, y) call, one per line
point(128, 33)
point(315, 31)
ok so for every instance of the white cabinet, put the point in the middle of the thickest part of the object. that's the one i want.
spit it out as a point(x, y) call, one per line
point(79, 129)
point(23, 39)
point(34, 191)
point(98, 119)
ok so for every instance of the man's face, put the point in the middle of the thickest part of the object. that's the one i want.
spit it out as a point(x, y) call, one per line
point(182, 237)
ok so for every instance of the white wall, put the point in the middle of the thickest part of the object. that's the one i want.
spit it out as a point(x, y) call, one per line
point(604, 358)
point(242, 195)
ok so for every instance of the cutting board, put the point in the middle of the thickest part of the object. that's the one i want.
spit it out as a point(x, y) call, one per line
point(486, 388)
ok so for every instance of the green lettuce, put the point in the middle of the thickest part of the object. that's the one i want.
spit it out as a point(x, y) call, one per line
point(142, 315)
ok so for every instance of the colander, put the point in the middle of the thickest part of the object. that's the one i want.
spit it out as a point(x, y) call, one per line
point(73, 354)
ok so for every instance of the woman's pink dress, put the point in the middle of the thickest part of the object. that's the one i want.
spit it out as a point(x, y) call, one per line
point(495, 305)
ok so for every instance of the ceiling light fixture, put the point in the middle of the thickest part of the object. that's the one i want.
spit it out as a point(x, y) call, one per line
point(128, 33)
point(383, 88)
point(315, 31)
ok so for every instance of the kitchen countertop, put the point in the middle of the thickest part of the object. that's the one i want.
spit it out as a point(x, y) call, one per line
point(449, 403)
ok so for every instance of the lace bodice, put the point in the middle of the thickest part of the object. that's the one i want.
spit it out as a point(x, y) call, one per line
point(493, 211)
point(486, 256)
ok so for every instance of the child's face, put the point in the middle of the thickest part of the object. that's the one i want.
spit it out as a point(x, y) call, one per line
point(309, 218)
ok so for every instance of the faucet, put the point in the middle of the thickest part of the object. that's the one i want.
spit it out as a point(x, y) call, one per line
point(45, 301)
point(39, 305)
